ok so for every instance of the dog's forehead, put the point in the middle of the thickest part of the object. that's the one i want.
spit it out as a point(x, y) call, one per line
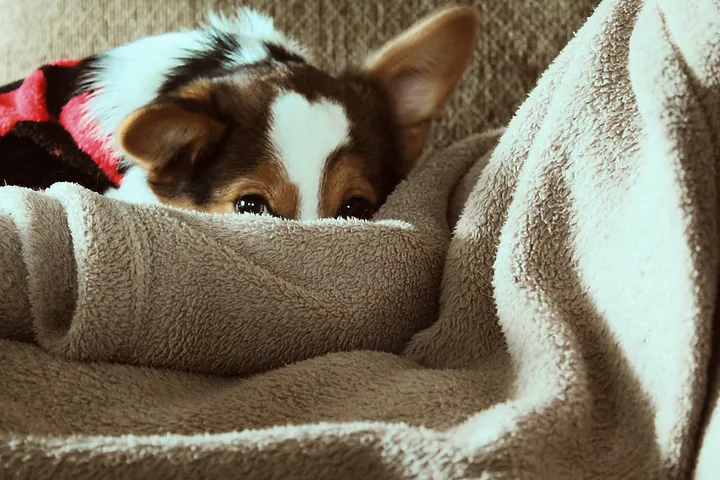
point(304, 118)
point(321, 133)
point(304, 135)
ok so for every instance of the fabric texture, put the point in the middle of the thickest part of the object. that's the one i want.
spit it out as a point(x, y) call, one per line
point(44, 135)
point(516, 41)
point(227, 294)
point(572, 303)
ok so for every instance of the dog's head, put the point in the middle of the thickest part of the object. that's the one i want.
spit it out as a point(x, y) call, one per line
point(248, 124)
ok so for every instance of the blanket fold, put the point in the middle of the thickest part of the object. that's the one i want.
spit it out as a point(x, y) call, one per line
point(225, 294)
point(564, 330)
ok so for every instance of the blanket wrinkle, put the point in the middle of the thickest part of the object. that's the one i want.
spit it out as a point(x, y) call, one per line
point(565, 328)
point(142, 252)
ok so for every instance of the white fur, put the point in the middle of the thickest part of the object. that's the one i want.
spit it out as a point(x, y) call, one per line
point(253, 29)
point(304, 134)
point(134, 188)
point(129, 76)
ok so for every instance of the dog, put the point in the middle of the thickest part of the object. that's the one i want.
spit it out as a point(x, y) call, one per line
point(234, 117)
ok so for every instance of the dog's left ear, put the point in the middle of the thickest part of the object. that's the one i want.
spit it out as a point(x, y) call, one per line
point(420, 68)
point(166, 140)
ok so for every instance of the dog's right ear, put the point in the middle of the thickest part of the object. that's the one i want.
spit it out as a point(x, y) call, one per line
point(166, 140)
point(420, 68)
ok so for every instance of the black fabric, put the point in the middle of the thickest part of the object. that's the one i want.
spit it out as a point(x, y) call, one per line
point(36, 148)
point(43, 154)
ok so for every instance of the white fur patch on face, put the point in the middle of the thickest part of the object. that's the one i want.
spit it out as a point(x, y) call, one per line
point(304, 134)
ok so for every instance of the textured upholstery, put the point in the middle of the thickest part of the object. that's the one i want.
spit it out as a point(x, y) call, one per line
point(518, 39)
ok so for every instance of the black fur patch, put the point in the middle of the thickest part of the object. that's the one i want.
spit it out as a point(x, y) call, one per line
point(207, 64)
point(281, 55)
point(215, 62)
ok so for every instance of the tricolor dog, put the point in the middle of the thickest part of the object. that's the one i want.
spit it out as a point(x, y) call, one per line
point(235, 117)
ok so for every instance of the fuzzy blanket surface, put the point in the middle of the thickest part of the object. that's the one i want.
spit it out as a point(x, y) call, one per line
point(561, 328)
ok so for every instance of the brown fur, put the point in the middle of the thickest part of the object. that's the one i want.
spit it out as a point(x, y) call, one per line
point(344, 180)
point(243, 162)
point(205, 143)
point(268, 180)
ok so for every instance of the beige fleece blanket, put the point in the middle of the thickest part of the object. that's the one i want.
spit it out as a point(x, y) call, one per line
point(563, 330)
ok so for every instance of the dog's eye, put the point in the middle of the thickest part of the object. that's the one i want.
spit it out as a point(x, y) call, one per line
point(252, 204)
point(356, 207)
